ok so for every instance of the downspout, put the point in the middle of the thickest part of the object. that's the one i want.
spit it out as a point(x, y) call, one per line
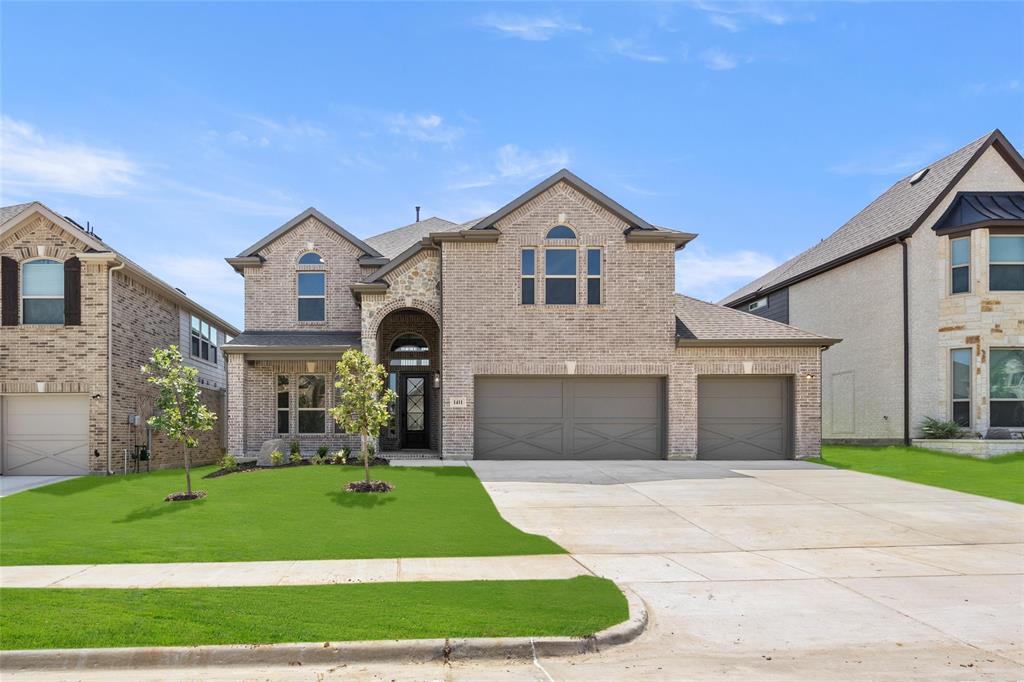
point(110, 357)
point(906, 345)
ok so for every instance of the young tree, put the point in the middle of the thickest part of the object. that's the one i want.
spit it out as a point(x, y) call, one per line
point(180, 413)
point(363, 405)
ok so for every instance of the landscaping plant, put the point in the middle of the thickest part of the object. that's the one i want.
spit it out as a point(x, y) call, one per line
point(295, 457)
point(276, 458)
point(341, 456)
point(228, 461)
point(936, 428)
point(362, 407)
point(294, 448)
point(180, 413)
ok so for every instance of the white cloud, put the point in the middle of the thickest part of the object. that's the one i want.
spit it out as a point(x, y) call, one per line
point(734, 16)
point(711, 276)
point(33, 161)
point(634, 49)
point(424, 128)
point(532, 28)
point(725, 21)
point(209, 281)
point(889, 163)
point(1000, 87)
point(719, 60)
point(512, 163)
point(231, 203)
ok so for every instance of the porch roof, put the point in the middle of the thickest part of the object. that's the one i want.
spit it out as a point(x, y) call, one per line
point(292, 341)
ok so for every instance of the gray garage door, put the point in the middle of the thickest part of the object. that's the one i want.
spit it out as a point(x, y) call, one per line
point(569, 418)
point(744, 417)
point(45, 435)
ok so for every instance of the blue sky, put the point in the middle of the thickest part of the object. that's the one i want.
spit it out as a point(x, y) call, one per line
point(184, 132)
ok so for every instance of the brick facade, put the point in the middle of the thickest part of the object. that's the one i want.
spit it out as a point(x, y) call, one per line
point(73, 359)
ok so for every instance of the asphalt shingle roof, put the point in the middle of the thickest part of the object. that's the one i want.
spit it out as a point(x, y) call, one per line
point(884, 218)
point(698, 320)
point(297, 339)
point(8, 212)
point(394, 242)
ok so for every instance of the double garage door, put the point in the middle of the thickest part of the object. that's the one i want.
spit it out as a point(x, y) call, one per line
point(45, 435)
point(739, 418)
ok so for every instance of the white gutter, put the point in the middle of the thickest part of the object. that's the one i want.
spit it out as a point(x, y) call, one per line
point(110, 356)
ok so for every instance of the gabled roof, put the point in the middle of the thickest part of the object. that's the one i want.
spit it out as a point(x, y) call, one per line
point(309, 213)
point(893, 215)
point(973, 208)
point(11, 219)
point(633, 221)
point(699, 323)
point(393, 242)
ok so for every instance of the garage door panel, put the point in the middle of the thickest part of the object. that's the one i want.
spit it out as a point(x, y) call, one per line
point(45, 435)
point(595, 418)
point(743, 418)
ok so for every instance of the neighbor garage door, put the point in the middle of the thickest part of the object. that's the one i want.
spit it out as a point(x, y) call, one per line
point(45, 435)
point(744, 417)
point(569, 418)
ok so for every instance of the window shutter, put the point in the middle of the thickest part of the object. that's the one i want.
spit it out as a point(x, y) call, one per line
point(10, 303)
point(72, 291)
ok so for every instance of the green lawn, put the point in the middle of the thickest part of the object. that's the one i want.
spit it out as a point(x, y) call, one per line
point(288, 513)
point(1002, 477)
point(53, 618)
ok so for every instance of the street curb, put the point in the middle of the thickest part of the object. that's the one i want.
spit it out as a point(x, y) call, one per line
point(408, 651)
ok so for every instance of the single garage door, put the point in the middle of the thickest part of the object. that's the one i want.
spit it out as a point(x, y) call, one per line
point(569, 418)
point(744, 417)
point(46, 435)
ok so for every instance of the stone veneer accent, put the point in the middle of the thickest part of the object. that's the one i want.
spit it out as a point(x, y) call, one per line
point(72, 359)
point(971, 447)
point(393, 325)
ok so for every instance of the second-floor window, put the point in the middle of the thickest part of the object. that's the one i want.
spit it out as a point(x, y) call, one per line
point(960, 265)
point(42, 292)
point(311, 294)
point(204, 340)
point(594, 279)
point(559, 276)
point(1006, 263)
point(528, 276)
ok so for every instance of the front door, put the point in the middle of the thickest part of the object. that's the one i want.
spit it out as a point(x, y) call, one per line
point(414, 413)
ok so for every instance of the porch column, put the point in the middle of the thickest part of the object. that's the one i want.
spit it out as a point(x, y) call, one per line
point(236, 403)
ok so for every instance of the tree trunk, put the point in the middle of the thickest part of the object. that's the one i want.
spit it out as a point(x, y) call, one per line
point(366, 458)
point(188, 470)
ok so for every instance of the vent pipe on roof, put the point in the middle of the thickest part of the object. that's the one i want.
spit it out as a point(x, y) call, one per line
point(417, 214)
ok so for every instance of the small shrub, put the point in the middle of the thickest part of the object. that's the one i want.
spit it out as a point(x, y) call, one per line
point(228, 461)
point(371, 449)
point(317, 459)
point(341, 456)
point(295, 448)
point(322, 451)
point(295, 457)
point(936, 428)
point(276, 458)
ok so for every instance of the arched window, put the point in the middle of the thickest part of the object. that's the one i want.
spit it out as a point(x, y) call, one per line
point(42, 292)
point(561, 232)
point(409, 350)
point(311, 258)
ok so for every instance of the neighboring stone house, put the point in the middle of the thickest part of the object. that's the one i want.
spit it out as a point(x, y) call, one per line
point(78, 317)
point(547, 330)
point(926, 288)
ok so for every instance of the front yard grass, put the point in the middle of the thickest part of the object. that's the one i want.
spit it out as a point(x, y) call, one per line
point(279, 514)
point(1000, 477)
point(96, 618)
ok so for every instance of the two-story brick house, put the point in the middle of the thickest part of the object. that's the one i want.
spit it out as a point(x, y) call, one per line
point(78, 321)
point(547, 330)
point(926, 287)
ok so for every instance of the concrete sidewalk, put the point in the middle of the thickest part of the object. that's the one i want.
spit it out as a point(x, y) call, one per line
point(325, 572)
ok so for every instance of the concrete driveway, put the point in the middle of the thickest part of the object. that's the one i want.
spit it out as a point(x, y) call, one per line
point(16, 484)
point(757, 571)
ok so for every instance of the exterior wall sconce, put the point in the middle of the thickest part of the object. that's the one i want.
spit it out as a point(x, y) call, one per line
point(808, 376)
point(437, 380)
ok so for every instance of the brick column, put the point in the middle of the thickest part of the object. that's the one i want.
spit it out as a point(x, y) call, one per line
point(236, 403)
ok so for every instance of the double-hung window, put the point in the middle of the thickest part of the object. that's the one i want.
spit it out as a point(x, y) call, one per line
point(528, 276)
point(1006, 263)
point(1006, 386)
point(312, 288)
point(960, 385)
point(960, 265)
point(594, 276)
point(204, 340)
point(42, 292)
point(559, 276)
point(283, 410)
point(312, 403)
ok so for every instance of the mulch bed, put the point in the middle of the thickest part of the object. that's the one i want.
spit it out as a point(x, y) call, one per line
point(184, 497)
point(371, 487)
point(245, 466)
point(253, 466)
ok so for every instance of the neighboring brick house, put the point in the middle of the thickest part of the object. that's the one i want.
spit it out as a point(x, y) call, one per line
point(68, 302)
point(547, 330)
point(926, 288)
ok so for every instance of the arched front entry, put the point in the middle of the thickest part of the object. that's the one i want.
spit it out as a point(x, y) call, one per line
point(409, 347)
